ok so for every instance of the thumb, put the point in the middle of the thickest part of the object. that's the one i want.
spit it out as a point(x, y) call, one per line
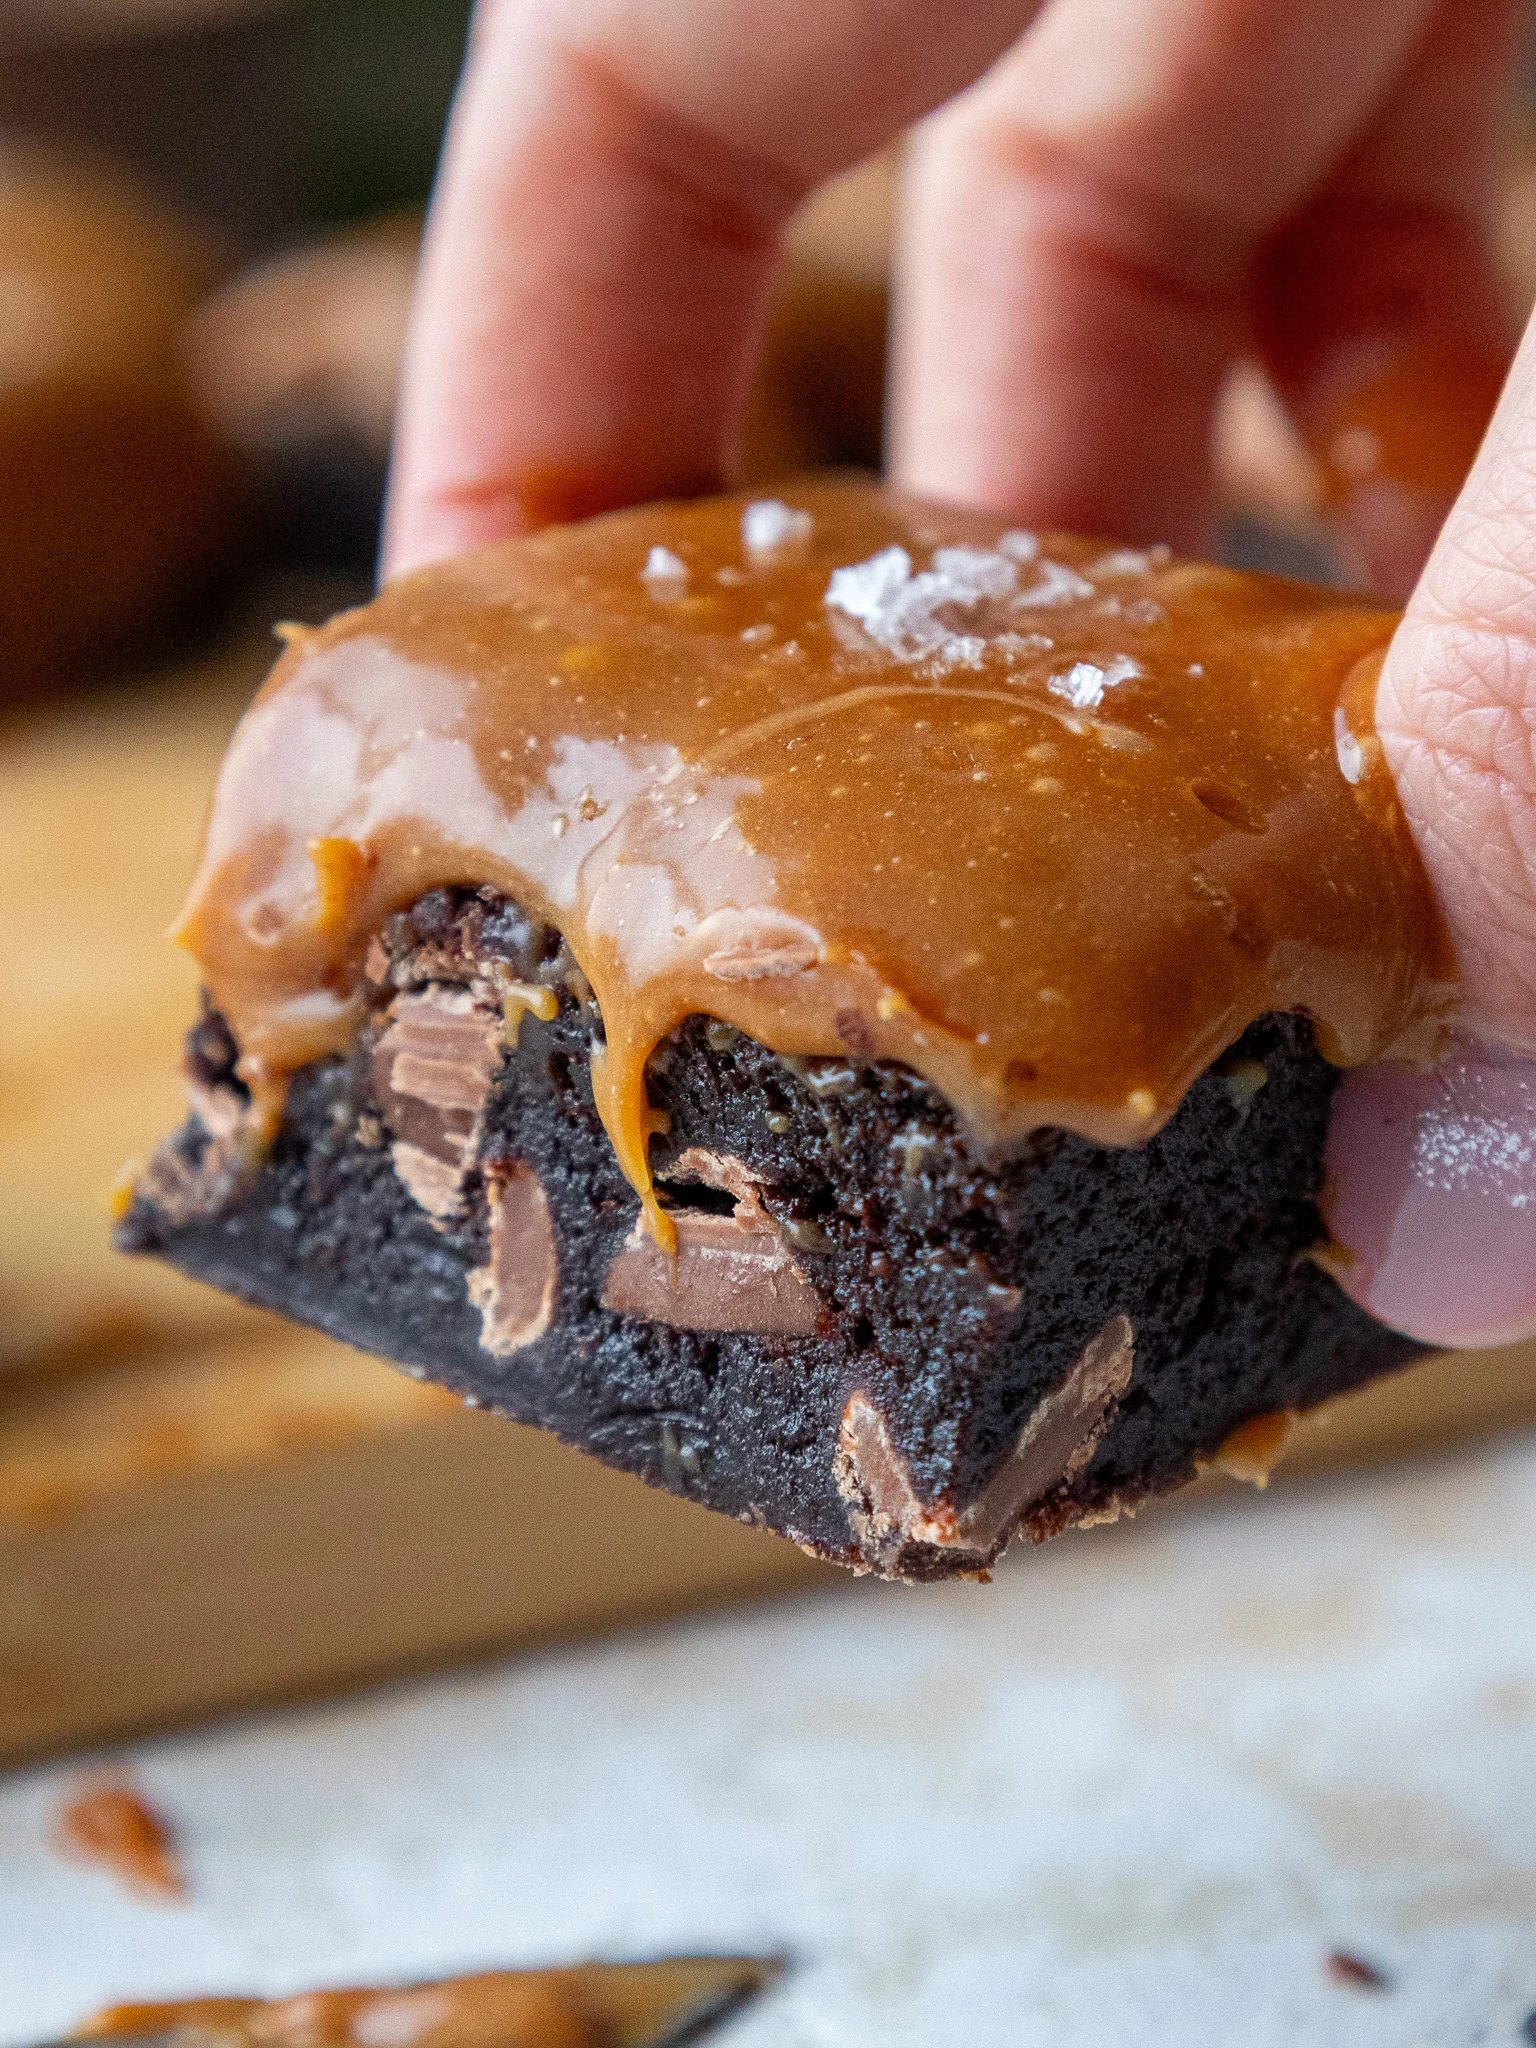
point(1432, 1175)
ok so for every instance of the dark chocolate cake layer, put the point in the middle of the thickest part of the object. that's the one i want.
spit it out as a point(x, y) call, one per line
point(873, 1340)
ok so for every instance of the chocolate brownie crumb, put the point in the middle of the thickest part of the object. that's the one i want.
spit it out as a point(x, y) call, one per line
point(1356, 1972)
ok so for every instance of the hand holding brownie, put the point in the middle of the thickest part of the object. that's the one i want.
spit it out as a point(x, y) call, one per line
point(1113, 199)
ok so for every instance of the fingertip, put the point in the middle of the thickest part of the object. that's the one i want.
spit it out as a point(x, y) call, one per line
point(1431, 1196)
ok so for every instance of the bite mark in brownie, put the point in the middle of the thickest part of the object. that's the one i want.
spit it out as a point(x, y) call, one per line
point(876, 1339)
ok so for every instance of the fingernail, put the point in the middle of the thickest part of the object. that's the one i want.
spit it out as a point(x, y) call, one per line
point(1431, 1195)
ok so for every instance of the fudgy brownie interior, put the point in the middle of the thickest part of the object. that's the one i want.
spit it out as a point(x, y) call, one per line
point(873, 1339)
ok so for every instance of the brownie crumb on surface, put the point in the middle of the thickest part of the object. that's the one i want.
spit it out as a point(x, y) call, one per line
point(1356, 1972)
point(873, 1338)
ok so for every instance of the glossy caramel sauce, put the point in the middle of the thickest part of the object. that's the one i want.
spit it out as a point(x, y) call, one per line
point(501, 2009)
point(1416, 420)
point(1050, 821)
point(593, 2005)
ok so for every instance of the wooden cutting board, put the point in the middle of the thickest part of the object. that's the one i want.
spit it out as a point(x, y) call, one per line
point(201, 1506)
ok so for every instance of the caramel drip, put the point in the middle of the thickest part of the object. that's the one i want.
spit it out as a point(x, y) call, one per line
point(110, 1824)
point(502, 2009)
point(1052, 827)
point(593, 2005)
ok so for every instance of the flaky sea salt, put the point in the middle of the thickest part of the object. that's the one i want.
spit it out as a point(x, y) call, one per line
point(1131, 561)
point(1084, 683)
point(899, 609)
point(978, 571)
point(1058, 585)
point(1121, 562)
point(1018, 542)
point(767, 525)
point(1017, 646)
point(663, 568)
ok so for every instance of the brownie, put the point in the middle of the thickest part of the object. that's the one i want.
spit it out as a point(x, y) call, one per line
point(874, 1338)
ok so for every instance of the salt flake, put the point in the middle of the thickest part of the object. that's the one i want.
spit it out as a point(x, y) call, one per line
point(899, 610)
point(1131, 561)
point(1058, 585)
point(977, 571)
point(1347, 749)
point(1021, 544)
point(1017, 645)
point(767, 524)
point(662, 568)
point(1084, 683)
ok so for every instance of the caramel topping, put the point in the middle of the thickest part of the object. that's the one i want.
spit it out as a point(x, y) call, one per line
point(1049, 821)
point(110, 1824)
point(594, 2005)
point(1416, 420)
point(1252, 1450)
point(505, 2009)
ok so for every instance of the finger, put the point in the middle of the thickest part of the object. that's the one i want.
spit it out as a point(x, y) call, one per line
point(1377, 311)
point(1433, 1194)
point(1431, 1189)
point(604, 234)
point(1079, 230)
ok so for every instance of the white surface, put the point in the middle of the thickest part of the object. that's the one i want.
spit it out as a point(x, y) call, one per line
point(1131, 1794)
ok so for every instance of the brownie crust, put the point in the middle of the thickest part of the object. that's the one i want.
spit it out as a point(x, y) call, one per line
point(874, 1339)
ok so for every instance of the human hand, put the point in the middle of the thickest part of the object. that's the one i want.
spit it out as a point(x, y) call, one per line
point(1134, 192)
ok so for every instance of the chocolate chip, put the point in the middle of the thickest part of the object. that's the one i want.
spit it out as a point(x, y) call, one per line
point(432, 1072)
point(730, 1272)
point(885, 1511)
point(515, 1290)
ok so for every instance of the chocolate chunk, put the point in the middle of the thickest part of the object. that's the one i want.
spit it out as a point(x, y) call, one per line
point(432, 1071)
point(515, 1291)
point(884, 1508)
point(1060, 1436)
point(728, 1273)
point(211, 1159)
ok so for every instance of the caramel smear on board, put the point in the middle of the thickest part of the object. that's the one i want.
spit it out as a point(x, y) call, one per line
point(1047, 820)
point(111, 1824)
point(597, 2005)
